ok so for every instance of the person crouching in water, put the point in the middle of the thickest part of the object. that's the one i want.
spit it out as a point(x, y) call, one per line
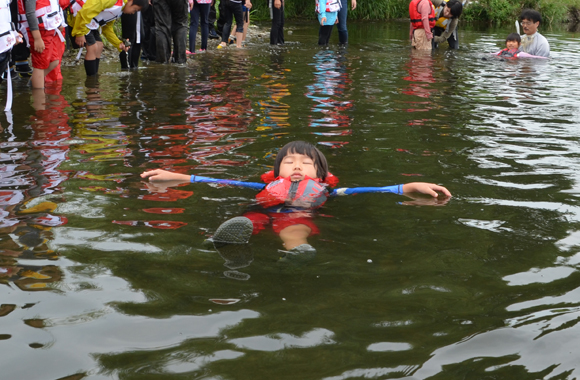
point(42, 25)
point(448, 12)
point(88, 17)
point(422, 13)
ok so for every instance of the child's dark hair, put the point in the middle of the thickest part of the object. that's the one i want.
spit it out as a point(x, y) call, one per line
point(514, 37)
point(141, 3)
point(455, 7)
point(531, 15)
point(302, 147)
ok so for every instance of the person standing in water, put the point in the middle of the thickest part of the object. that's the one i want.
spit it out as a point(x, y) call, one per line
point(422, 14)
point(532, 41)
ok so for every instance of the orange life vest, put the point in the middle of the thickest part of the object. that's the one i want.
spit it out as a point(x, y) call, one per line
point(416, 21)
point(47, 12)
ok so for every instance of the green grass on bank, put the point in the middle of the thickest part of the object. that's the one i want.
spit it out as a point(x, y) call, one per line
point(493, 11)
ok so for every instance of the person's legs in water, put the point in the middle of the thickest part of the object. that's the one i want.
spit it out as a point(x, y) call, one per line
point(149, 34)
point(211, 22)
point(43, 63)
point(162, 16)
point(295, 235)
point(179, 15)
point(204, 21)
point(239, 17)
point(94, 46)
point(227, 26)
point(193, 24)
point(453, 40)
point(277, 30)
point(246, 17)
point(20, 52)
point(342, 31)
point(221, 21)
point(324, 34)
point(128, 26)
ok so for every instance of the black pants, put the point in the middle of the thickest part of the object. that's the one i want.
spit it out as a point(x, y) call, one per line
point(452, 40)
point(212, 17)
point(170, 24)
point(19, 52)
point(148, 41)
point(324, 34)
point(129, 32)
point(232, 10)
point(277, 31)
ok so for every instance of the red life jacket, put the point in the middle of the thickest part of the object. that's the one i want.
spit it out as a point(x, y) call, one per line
point(508, 53)
point(48, 13)
point(331, 180)
point(416, 21)
point(308, 193)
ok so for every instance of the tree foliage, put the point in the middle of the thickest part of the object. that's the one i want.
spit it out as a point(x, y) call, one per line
point(494, 11)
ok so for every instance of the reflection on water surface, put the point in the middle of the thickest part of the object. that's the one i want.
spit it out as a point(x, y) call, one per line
point(102, 269)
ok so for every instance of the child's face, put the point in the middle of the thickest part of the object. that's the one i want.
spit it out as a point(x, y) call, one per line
point(297, 166)
point(131, 8)
point(512, 44)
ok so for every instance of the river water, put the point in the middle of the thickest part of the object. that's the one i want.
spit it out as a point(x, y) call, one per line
point(105, 277)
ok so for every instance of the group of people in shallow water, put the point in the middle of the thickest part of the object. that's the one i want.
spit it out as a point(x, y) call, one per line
point(435, 21)
point(42, 26)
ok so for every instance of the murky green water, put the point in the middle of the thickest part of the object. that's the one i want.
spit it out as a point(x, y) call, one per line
point(104, 278)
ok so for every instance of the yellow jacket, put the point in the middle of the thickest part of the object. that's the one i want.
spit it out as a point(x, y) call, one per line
point(91, 9)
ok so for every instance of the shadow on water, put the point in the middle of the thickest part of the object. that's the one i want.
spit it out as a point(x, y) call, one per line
point(112, 273)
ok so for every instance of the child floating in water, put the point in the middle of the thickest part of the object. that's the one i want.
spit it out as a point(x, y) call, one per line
point(512, 45)
point(297, 186)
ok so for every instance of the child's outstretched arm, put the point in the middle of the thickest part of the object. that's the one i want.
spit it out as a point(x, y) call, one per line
point(425, 188)
point(164, 175)
point(413, 187)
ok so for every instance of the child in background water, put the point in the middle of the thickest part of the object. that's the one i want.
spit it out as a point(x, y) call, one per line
point(294, 189)
point(512, 45)
point(327, 16)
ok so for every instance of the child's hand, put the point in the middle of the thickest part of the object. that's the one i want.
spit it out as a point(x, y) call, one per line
point(123, 47)
point(19, 39)
point(248, 4)
point(277, 4)
point(425, 188)
point(80, 41)
point(322, 21)
point(164, 175)
point(39, 45)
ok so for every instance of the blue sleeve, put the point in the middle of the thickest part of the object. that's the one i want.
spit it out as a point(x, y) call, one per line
point(395, 189)
point(230, 182)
